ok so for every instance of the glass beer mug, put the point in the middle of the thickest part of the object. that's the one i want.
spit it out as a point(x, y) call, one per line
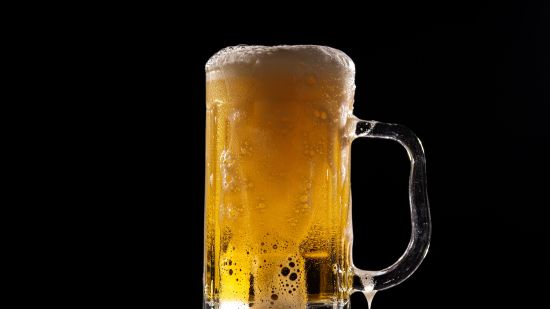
point(278, 228)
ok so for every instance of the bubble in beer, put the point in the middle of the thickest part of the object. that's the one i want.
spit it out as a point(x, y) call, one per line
point(293, 276)
point(245, 149)
point(285, 271)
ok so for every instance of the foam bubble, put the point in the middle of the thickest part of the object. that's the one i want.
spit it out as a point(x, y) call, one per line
point(305, 59)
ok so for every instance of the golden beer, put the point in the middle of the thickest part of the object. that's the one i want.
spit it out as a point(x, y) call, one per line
point(278, 223)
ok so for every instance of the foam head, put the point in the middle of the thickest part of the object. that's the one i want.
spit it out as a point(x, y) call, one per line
point(244, 60)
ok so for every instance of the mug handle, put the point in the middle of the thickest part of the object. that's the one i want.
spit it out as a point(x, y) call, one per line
point(369, 281)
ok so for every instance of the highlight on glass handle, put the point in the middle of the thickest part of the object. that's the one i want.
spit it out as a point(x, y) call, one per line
point(368, 281)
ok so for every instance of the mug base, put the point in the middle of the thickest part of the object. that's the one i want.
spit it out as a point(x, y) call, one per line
point(234, 305)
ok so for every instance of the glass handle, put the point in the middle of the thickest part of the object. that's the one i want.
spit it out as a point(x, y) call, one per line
point(368, 281)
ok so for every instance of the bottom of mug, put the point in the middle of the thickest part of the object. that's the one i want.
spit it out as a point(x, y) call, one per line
point(240, 305)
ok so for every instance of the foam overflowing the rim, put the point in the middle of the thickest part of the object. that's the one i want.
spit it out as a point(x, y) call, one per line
point(250, 59)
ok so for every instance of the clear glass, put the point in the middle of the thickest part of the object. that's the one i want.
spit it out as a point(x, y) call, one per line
point(278, 228)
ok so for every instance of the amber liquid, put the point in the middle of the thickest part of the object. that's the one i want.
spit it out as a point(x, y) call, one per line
point(277, 227)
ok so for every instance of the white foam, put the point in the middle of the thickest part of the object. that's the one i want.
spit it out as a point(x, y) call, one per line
point(245, 59)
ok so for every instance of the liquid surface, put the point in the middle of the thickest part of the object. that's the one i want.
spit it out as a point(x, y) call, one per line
point(278, 232)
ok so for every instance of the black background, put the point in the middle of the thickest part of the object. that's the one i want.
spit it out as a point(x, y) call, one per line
point(471, 79)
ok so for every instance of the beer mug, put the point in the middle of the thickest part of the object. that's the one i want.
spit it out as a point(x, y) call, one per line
point(278, 228)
